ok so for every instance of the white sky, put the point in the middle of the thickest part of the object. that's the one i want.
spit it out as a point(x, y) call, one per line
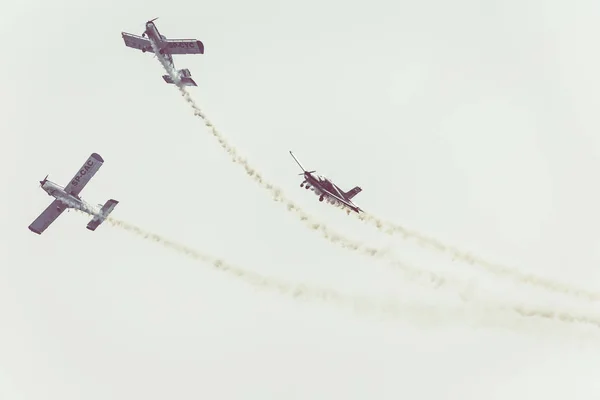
point(473, 122)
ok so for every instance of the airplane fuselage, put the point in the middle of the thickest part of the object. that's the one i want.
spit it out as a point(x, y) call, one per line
point(324, 188)
point(155, 37)
point(58, 192)
point(153, 33)
point(319, 183)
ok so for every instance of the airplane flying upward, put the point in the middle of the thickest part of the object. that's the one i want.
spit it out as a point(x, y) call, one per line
point(167, 47)
point(327, 190)
point(68, 197)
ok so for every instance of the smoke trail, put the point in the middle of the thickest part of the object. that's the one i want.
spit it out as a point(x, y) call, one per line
point(498, 316)
point(425, 277)
point(496, 269)
point(410, 272)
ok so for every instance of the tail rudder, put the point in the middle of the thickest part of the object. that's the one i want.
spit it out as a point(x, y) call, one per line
point(353, 192)
point(104, 213)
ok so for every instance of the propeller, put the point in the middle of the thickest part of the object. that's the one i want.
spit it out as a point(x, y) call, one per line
point(44, 181)
point(307, 172)
point(152, 20)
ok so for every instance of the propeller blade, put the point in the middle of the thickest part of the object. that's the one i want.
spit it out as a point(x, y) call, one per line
point(152, 20)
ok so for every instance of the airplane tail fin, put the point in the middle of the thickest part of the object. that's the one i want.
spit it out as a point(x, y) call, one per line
point(104, 213)
point(184, 75)
point(353, 192)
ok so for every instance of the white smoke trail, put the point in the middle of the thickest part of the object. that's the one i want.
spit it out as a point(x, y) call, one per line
point(425, 277)
point(336, 238)
point(514, 317)
point(493, 268)
point(483, 312)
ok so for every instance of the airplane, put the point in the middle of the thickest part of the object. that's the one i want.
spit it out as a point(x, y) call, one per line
point(325, 189)
point(68, 197)
point(167, 47)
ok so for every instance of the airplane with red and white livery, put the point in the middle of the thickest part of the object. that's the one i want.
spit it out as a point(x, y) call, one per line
point(327, 190)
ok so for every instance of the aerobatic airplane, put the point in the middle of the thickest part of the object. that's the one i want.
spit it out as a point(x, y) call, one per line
point(68, 197)
point(326, 189)
point(167, 47)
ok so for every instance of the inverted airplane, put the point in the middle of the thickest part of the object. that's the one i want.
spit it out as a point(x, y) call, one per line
point(68, 197)
point(327, 190)
point(167, 47)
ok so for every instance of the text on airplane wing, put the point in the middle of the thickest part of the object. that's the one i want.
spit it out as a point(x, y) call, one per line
point(85, 173)
point(184, 46)
point(47, 216)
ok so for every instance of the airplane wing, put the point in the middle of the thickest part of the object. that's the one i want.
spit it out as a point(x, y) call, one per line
point(136, 42)
point(173, 46)
point(83, 176)
point(184, 46)
point(47, 217)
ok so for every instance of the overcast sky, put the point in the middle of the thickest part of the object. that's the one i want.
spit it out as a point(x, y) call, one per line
point(472, 122)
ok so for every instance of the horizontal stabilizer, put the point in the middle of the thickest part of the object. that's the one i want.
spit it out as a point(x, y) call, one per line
point(184, 81)
point(185, 77)
point(104, 213)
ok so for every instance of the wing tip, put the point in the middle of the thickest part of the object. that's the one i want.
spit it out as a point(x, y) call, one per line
point(200, 46)
point(32, 229)
point(98, 157)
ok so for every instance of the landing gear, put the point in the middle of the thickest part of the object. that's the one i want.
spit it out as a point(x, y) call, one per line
point(321, 198)
point(306, 187)
point(302, 184)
